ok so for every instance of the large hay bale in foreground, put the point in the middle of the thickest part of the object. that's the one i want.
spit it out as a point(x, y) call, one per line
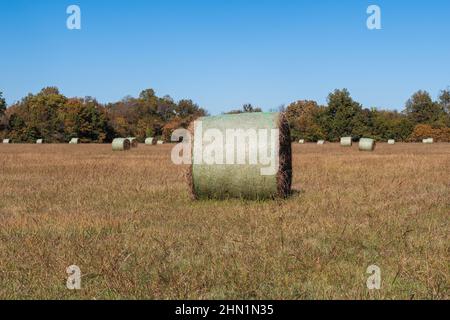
point(133, 141)
point(7, 141)
point(245, 168)
point(39, 141)
point(74, 141)
point(121, 144)
point(149, 141)
point(366, 144)
point(391, 141)
point(346, 141)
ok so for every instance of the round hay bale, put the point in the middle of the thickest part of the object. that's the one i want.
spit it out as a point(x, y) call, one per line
point(301, 141)
point(261, 170)
point(391, 141)
point(39, 141)
point(321, 142)
point(74, 141)
point(149, 141)
point(366, 144)
point(121, 144)
point(7, 141)
point(160, 142)
point(428, 141)
point(133, 141)
point(346, 142)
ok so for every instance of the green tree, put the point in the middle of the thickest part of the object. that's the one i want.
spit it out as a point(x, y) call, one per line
point(421, 109)
point(342, 116)
point(444, 100)
point(85, 119)
point(2, 104)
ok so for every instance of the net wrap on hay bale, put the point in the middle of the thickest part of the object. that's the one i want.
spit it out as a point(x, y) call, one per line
point(223, 181)
point(366, 144)
point(121, 144)
point(346, 141)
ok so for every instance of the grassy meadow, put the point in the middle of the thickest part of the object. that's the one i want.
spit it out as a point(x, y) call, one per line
point(126, 219)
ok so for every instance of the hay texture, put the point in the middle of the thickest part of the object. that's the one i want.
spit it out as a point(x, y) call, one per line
point(321, 142)
point(391, 141)
point(133, 141)
point(366, 144)
point(7, 141)
point(74, 141)
point(243, 180)
point(150, 141)
point(346, 141)
point(121, 144)
point(39, 141)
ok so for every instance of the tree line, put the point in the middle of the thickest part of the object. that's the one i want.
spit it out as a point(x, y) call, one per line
point(342, 117)
point(51, 116)
point(56, 118)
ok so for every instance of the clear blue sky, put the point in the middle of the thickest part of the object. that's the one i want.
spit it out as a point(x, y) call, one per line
point(223, 53)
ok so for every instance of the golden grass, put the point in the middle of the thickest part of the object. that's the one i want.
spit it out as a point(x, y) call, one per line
point(126, 219)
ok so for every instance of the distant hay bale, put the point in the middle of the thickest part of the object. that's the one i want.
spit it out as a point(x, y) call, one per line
point(428, 141)
point(346, 142)
point(242, 180)
point(149, 141)
point(321, 142)
point(121, 144)
point(301, 141)
point(391, 141)
point(133, 141)
point(160, 142)
point(366, 144)
point(74, 141)
point(39, 141)
point(7, 141)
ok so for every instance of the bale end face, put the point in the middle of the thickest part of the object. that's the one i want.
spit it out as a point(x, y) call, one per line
point(133, 142)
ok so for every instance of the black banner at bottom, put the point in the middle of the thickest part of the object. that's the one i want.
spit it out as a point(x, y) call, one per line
point(220, 309)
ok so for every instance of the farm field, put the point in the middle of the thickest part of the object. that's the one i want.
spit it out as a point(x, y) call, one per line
point(127, 220)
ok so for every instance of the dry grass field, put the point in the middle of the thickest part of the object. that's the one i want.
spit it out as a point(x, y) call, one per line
point(127, 221)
